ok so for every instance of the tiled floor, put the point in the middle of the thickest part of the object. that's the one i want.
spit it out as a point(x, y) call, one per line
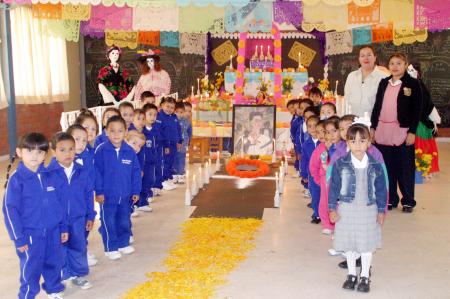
point(290, 259)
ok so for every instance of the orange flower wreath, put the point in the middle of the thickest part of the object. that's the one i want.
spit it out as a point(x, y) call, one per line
point(262, 168)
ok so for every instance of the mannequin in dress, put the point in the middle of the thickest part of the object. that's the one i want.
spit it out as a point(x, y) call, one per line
point(153, 78)
point(114, 82)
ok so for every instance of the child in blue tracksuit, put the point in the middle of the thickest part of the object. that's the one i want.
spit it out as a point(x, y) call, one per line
point(308, 147)
point(186, 133)
point(292, 106)
point(117, 182)
point(36, 219)
point(78, 191)
point(107, 114)
point(171, 138)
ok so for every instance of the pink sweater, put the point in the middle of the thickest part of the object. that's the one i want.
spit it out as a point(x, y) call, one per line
point(156, 82)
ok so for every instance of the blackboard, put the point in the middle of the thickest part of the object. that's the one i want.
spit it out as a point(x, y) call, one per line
point(433, 55)
point(183, 69)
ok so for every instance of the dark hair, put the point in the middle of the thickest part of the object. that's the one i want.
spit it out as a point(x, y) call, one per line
point(417, 67)
point(61, 136)
point(75, 127)
point(399, 56)
point(253, 114)
point(312, 109)
point(86, 114)
point(169, 100)
point(367, 47)
point(149, 106)
point(333, 106)
point(147, 94)
point(125, 104)
point(292, 102)
point(109, 109)
point(29, 141)
point(316, 90)
point(85, 111)
point(358, 128)
point(112, 48)
point(307, 101)
point(348, 117)
point(179, 105)
point(187, 104)
point(138, 111)
point(334, 120)
point(321, 123)
point(116, 119)
point(313, 117)
point(144, 66)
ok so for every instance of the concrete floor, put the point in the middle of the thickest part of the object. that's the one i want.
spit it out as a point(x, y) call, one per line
point(290, 259)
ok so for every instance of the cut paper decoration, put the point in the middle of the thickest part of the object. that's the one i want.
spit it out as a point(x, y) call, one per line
point(362, 35)
point(382, 33)
point(432, 15)
point(309, 27)
point(156, 18)
point(193, 43)
point(200, 19)
point(112, 17)
point(333, 17)
point(169, 39)
point(364, 14)
point(399, 12)
point(121, 38)
point(76, 12)
point(254, 17)
point(67, 29)
point(222, 53)
point(85, 30)
point(339, 2)
point(307, 54)
point(47, 11)
point(408, 36)
point(218, 3)
point(338, 42)
point(149, 38)
point(288, 12)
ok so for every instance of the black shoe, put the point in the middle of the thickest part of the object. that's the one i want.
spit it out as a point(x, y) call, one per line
point(407, 209)
point(364, 285)
point(315, 220)
point(309, 205)
point(389, 207)
point(343, 264)
point(350, 283)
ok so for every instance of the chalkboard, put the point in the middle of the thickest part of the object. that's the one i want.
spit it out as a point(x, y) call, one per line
point(433, 55)
point(183, 69)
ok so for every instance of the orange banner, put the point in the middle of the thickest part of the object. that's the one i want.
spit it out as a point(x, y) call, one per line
point(47, 11)
point(149, 38)
point(364, 14)
point(382, 33)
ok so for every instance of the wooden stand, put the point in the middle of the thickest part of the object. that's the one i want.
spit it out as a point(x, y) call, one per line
point(201, 146)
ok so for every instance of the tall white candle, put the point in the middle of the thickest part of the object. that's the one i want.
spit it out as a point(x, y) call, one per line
point(274, 153)
point(276, 182)
point(299, 59)
point(231, 62)
point(335, 88)
point(198, 85)
point(194, 189)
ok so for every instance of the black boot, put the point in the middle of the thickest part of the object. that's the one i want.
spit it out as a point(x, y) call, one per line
point(350, 283)
point(315, 220)
point(407, 209)
point(343, 264)
point(364, 285)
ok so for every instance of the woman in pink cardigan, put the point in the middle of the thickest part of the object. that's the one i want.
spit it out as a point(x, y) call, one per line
point(153, 78)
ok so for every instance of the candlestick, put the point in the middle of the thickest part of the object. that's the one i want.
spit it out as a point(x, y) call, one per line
point(194, 189)
point(276, 200)
point(299, 59)
point(192, 91)
point(198, 86)
point(335, 88)
point(217, 161)
point(261, 55)
point(206, 173)
point(200, 178)
point(276, 182)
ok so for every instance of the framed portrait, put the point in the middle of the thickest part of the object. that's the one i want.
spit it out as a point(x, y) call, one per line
point(253, 129)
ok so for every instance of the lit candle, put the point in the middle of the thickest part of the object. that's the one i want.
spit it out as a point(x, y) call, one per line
point(192, 90)
point(299, 59)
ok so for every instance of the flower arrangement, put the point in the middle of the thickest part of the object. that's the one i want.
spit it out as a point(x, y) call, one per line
point(264, 85)
point(423, 162)
point(288, 84)
point(262, 168)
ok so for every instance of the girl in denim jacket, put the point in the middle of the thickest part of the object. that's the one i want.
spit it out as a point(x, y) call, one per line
point(358, 182)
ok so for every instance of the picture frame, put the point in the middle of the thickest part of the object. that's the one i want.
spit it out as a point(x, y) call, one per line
point(254, 129)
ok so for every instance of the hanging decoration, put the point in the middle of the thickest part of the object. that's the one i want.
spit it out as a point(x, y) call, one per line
point(112, 17)
point(193, 43)
point(332, 17)
point(339, 2)
point(224, 52)
point(156, 18)
point(121, 38)
point(400, 12)
point(362, 35)
point(382, 33)
point(288, 12)
point(409, 36)
point(218, 3)
point(240, 68)
point(433, 15)
point(76, 12)
point(67, 29)
point(299, 50)
point(338, 42)
point(254, 17)
point(278, 80)
point(169, 39)
point(199, 19)
point(86, 30)
point(47, 11)
point(149, 38)
point(364, 14)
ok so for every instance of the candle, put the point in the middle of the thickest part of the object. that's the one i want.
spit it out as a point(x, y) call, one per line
point(299, 59)
point(262, 53)
point(276, 181)
point(335, 88)
point(274, 153)
point(194, 189)
point(268, 50)
point(231, 62)
point(198, 86)
point(256, 50)
point(192, 90)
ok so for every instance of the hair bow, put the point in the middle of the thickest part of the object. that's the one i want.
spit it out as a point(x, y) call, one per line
point(362, 121)
point(412, 71)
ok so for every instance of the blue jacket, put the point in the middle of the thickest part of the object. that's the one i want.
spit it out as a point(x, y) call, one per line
point(117, 173)
point(100, 139)
point(294, 128)
point(307, 150)
point(170, 128)
point(78, 192)
point(302, 136)
point(33, 204)
point(86, 159)
point(151, 143)
point(343, 183)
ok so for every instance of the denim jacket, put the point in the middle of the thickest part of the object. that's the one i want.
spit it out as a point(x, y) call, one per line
point(343, 183)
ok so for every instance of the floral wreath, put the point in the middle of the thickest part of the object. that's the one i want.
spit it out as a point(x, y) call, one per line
point(262, 168)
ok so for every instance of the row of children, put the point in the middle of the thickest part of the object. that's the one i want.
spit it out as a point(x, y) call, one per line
point(335, 160)
point(49, 211)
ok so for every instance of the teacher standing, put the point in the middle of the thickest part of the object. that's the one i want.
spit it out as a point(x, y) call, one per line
point(361, 85)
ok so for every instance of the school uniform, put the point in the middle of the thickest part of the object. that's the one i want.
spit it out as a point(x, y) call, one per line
point(308, 148)
point(186, 131)
point(295, 123)
point(34, 214)
point(303, 137)
point(118, 178)
point(78, 191)
point(100, 139)
point(170, 131)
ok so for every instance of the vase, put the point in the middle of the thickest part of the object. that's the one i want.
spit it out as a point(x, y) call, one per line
point(419, 177)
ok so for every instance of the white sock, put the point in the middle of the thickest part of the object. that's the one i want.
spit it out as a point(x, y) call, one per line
point(366, 261)
point(351, 262)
